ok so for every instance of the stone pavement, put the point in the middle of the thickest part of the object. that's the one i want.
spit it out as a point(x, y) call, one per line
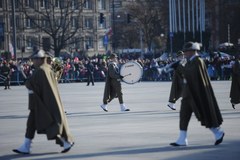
point(144, 133)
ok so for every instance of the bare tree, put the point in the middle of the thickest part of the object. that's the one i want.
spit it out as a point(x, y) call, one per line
point(126, 36)
point(58, 19)
point(147, 16)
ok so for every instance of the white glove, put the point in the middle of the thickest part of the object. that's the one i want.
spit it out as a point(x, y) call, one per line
point(171, 105)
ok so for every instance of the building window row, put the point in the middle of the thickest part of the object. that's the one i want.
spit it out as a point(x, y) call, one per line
point(101, 4)
point(29, 28)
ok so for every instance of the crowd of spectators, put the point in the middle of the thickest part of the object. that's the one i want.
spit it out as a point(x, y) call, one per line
point(74, 69)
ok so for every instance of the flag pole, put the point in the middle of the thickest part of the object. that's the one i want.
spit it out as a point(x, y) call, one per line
point(14, 28)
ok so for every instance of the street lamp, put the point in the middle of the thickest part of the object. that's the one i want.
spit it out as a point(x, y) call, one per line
point(113, 28)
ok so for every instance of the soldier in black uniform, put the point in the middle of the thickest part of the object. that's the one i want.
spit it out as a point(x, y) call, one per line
point(6, 71)
point(235, 84)
point(198, 97)
point(113, 88)
point(90, 71)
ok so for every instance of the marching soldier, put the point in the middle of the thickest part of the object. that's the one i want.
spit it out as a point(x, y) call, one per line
point(198, 97)
point(46, 109)
point(235, 85)
point(113, 86)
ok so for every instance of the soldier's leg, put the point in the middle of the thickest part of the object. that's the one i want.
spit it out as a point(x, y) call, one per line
point(29, 135)
point(185, 116)
point(120, 98)
point(118, 89)
point(31, 125)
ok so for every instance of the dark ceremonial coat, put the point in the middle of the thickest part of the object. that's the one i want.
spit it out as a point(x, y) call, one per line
point(50, 117)
point(177, 85)
point(113, 82)
point(5, 70)
point(90, 68)
point(200, 92)
point(235, 85)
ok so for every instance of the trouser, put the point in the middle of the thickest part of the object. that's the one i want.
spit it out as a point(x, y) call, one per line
point(7, 82)
point(31, 125)
point(90, 79)
point(185, 113)
point(118, 90)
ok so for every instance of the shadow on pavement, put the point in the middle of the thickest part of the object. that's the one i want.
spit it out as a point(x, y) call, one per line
point(227, 150)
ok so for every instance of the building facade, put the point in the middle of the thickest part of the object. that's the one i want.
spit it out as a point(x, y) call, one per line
point(93, 34)
point(84, 21)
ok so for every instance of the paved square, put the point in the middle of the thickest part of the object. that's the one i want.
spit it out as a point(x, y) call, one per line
point(144, 133)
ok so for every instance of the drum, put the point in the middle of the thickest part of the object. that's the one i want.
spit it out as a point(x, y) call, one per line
point(132, 72)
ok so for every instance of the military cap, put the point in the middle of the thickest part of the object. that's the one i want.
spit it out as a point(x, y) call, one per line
point(39, 54)
point(191, 46)
point(113, 55)
point(179, 53)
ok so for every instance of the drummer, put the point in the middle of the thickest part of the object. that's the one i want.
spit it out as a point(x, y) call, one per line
point(113, 88)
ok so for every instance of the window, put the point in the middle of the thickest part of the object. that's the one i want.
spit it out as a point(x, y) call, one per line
point(102, 4)
point(74, 23)
point(88, 4)
point(19, 42)
point(9, 4)
point(60, 22)
point(88, 23)
point(233, 1)
point(29, 3)
point(59, 3)
point(30, 42)
point(29, 23)
point(1, 31)
point(88, 42)
point(75, 4)
point(45, 23)
point(44, 4)
point(101, 41)
point(17, 4)
point(1, 45)
point(18, 21)
point(76, 43)
point(1, 4)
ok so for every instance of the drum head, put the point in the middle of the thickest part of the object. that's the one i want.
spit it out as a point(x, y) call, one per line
point(132, 72)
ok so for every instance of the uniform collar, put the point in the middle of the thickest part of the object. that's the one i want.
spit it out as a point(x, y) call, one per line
point(195, 55)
